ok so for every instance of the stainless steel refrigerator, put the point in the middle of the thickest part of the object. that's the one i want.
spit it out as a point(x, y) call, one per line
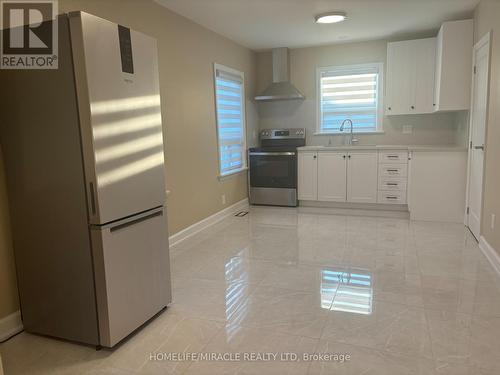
point(83, 153)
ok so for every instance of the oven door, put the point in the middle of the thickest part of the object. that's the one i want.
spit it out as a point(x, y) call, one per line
point(273, 169)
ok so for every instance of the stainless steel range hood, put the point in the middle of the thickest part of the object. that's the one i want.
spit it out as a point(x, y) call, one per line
point(281, 88)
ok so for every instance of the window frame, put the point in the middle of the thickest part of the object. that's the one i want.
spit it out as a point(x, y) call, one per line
point(353, 69)
point(244, 165)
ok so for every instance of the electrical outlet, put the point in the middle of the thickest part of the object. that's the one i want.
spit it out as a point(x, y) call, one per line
point(223, 198)
point(493, 217)
point(407, 129)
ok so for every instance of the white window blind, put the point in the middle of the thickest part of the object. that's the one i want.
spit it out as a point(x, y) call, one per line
point(350, 93)
point(230, 112)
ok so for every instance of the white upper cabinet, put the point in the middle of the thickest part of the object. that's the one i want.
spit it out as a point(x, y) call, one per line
point(410, 77)
point(332, 175)
point(454, 66)
point(400, 78)
point(425, 76)
point(307, 176)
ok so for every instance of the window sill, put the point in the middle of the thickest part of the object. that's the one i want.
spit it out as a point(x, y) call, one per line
point(223, 177)
point(348, 133)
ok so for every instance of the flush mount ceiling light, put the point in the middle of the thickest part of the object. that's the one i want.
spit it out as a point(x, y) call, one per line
point(331, 17)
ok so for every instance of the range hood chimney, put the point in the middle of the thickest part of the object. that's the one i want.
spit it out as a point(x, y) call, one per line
point(281, 88)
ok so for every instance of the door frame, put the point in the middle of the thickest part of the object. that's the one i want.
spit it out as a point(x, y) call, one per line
point(485, 39)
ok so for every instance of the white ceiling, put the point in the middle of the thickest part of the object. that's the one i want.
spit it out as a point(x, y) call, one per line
point(263, 24)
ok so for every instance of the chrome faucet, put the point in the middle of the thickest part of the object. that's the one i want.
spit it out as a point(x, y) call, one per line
point(351, 138)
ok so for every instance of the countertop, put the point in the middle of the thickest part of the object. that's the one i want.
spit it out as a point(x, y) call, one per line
point(452, 148)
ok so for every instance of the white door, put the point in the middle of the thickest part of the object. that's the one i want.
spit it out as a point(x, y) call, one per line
point(362, 176)
point(477, 134)
point(332, 176)
point(308, 176)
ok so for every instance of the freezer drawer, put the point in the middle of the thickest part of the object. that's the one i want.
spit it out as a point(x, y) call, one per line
point(132, 273)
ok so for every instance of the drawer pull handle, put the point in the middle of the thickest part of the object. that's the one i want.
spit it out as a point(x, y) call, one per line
point(392, 184)
point(393, 170)
point(393, 156)
point(391, 197)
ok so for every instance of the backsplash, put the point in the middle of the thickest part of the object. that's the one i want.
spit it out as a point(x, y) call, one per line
point(431, 129)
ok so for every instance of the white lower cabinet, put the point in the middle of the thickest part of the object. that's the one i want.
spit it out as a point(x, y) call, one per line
point(392, 177)
point(307, 176)
point(362, 177)
point(332, 176)
point(437, 186)
point(392, 197)
point(337, 176)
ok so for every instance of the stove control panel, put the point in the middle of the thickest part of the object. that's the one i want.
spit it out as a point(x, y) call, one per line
point(293, 133)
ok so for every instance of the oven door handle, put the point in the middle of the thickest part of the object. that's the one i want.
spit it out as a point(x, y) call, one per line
point(271, 153)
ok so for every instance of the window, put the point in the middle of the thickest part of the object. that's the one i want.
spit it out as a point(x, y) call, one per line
point(350, 92)
point(230, 113)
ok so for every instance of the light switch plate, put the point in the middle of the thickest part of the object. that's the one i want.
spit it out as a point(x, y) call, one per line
point(407, 129)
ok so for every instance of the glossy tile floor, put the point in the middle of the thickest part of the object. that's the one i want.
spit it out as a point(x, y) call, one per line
point(398, 297)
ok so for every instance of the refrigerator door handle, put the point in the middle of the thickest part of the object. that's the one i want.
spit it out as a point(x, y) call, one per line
point(132, 220)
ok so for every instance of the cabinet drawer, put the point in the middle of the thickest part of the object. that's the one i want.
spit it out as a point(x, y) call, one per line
point(393, 170)
point(392, 184)
point(392, 197)
point(393, 157)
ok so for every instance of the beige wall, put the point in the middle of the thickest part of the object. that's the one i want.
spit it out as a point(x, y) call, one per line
point(487, 17)
point(427, 129)
point(187, 52)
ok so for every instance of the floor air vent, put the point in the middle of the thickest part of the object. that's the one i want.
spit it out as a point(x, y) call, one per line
point(241, 213)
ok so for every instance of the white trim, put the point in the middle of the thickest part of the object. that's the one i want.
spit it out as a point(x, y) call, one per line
point(207, 222)
point(222, 177)
point(351, 68)
point(349, 211)
point(243, 114)
point(490, 253)
point(485, 39)
point(10, 325)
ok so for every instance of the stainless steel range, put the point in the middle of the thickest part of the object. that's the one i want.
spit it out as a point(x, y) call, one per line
point(273, 167)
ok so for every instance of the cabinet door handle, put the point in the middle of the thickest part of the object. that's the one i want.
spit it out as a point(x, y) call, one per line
point(349, 156)
point(412, 107)
point(389, 108)
point(343, 156)
point(314, 157)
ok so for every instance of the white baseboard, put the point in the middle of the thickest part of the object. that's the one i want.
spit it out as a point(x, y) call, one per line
point(10, 325)
point(207, 222)
point(354, 212)
point(490, 253)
